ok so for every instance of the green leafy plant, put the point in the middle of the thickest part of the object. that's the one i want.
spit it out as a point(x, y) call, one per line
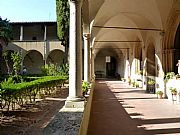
point(173, 90)
point(137, 85)
point(151, 82)
point(133, 84)
point(17, 60)
point(85, 87)
point(21, 93)
point(159, 93)
point(140, 72)
point(55, 70)
point(168, 76)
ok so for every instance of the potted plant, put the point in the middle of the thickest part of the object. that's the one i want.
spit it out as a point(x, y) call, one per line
point(169, 75)
point(85, 87)
point(133, 84)
point(151, 82)
point(159, 94)
point(173, 90)
point(137, 85)
point(129, 80)
point(151, 86)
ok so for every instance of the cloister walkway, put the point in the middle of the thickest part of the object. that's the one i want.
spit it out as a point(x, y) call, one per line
point(118, 109)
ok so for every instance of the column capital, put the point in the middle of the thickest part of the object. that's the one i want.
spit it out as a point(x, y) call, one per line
point(168, 51)
point(87, 35)
point(76, 1)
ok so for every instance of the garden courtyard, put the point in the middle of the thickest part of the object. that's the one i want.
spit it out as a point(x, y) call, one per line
point(114, 102)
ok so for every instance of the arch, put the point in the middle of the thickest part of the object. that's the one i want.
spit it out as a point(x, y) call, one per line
point(33, 61)
point(111, 68)
point(55, 57)
point(169, 47)
point(176, 49)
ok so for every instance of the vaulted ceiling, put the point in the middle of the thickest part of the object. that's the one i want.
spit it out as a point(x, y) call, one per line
point(126, 20)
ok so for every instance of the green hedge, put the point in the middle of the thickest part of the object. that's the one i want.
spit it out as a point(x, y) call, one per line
point(21, 93)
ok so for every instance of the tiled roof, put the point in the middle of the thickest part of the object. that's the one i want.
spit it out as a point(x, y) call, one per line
point(39, 22)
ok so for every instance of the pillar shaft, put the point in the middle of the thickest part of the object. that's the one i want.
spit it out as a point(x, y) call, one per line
point(86, 57)
point(92, 65)
point(21, 33)
point(170, 59)
point(75, 52)
point(45, 33)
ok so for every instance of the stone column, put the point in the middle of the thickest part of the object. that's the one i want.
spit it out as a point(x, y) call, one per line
point(91, 74)
point(75, 53)
point(170, 59)
point(21, 33)
point(45, 33)
point(87, 57)
point(92, 64)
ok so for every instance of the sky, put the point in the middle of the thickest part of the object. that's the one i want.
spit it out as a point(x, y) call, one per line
point(28, 10)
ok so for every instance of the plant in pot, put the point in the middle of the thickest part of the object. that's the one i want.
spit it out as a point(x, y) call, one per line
point(169, 75)
point(151, 82)
point(133, 84)
point(173, 90)
point(85, 87)
point(137, 85)
point(159, 94)
point(151, 86)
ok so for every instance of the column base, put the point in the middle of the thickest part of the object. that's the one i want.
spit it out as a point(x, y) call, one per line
point(78, 102)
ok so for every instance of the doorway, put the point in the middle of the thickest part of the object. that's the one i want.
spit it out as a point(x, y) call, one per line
point(111, 68)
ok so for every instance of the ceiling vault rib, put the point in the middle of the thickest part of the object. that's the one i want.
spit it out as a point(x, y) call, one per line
point(127, 28)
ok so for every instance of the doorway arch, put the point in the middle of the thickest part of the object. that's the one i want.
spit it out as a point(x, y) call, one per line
point(55, 57)
point(108, 63)
point(151, 69)
point(33, 61)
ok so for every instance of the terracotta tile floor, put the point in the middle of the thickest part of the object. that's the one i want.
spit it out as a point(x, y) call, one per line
point(118, 109)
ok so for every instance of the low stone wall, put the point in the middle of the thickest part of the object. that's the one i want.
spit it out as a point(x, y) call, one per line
point(86, 116)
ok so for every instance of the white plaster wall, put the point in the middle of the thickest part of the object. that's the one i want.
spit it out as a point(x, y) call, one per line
point(100, 64)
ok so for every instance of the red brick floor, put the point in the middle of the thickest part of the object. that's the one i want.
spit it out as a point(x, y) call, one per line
point(118, 109)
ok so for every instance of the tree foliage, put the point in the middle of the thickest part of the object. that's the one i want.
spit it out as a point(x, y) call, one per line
point(5, 31)
point(17, 59)
point(62, 11)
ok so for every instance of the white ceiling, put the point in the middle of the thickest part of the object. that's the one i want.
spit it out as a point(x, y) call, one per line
point(143, 14)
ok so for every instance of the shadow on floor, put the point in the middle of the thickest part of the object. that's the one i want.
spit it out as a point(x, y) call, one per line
point(109, 117)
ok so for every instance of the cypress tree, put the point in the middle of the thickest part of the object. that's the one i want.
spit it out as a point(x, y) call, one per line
point(62, 12)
